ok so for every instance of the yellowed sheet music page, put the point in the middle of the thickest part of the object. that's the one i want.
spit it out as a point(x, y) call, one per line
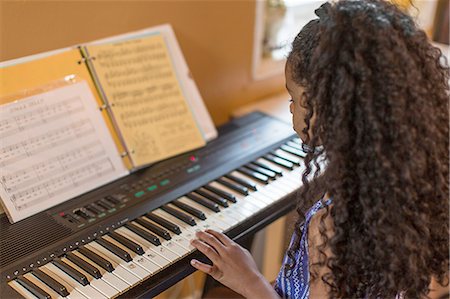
point(140, 84)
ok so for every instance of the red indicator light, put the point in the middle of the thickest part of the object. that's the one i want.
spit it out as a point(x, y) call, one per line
point(192, 158)
point(61, 214)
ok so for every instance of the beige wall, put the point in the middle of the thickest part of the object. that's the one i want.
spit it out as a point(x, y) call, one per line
point(216, 38)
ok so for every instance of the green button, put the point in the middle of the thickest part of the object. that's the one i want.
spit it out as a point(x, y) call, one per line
point(139, 194)
point(194, 168)
point(152, 187)
point(164, 182)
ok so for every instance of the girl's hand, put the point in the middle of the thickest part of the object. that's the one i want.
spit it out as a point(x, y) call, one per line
point(232, 266)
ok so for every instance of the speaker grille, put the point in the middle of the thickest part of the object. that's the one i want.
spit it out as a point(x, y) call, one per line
point(27, 236)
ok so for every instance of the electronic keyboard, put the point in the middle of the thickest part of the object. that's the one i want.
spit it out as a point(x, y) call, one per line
point(131, 238)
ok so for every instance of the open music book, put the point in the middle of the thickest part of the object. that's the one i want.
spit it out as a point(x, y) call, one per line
point(75, 119)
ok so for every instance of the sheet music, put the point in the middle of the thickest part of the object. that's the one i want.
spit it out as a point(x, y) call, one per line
point(54, 147)
point(149, 107)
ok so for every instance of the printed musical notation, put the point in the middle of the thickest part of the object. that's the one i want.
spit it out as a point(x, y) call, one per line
point(140, 83)
point(54, 147)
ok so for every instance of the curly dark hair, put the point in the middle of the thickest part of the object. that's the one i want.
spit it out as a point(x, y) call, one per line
point(379, 93)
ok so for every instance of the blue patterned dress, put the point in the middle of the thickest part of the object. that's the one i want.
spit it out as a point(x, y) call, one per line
point(296, 285)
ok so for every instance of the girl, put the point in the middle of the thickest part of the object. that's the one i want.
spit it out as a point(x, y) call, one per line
point(370, 96)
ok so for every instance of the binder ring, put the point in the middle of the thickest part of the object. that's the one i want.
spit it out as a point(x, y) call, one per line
point(85, 59)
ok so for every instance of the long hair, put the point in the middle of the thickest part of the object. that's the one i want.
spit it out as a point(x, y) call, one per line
point(379, 93)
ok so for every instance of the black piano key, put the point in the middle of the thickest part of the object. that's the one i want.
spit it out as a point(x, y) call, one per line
point(180, 215)
point(236, 187)
point(92, 270)
point(154, 228)
point(268, 167)
point(164, 223)
point(32, 288)
point(269, 173)
point(279, 161)
point(52, 283)
point(188, 209)
point(242, 182)
point(144, 234)
point(222, 193)
point(123, 254)
point(294, 151)
point(219, 200)
point(204, 202)
point(280, 155)
point(99, 260)
point(136, 248)
point(74, 273)
point(254, 175)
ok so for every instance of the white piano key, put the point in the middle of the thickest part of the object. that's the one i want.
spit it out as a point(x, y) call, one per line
point(108, 277)
point(21, 290)
point(122, 271)
point(174, 247)
point(87, 290)
point(42, 285)
point(139, 260)
point(98, 284)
